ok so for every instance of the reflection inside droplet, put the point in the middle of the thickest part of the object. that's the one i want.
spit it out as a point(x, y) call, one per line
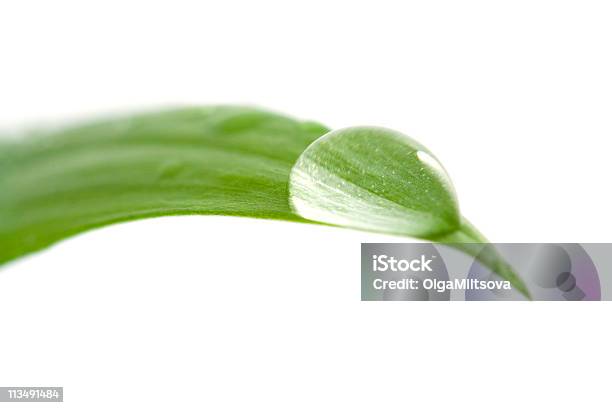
point(431, 161)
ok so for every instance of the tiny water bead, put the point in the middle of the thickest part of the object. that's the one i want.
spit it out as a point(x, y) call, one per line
point(374, 179)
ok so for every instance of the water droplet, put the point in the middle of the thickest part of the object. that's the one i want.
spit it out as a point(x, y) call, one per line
point(373, 179)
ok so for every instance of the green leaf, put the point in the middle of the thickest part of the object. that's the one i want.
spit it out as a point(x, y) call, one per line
point(226, 161)
point(217, 160)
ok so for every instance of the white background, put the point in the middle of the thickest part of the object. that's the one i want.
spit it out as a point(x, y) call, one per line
point(513, 97)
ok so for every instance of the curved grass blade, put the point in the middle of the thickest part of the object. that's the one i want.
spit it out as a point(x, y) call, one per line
point(217, 160)
point(226, 161)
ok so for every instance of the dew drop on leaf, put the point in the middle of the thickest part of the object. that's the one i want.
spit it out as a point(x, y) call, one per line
point(374, 179)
